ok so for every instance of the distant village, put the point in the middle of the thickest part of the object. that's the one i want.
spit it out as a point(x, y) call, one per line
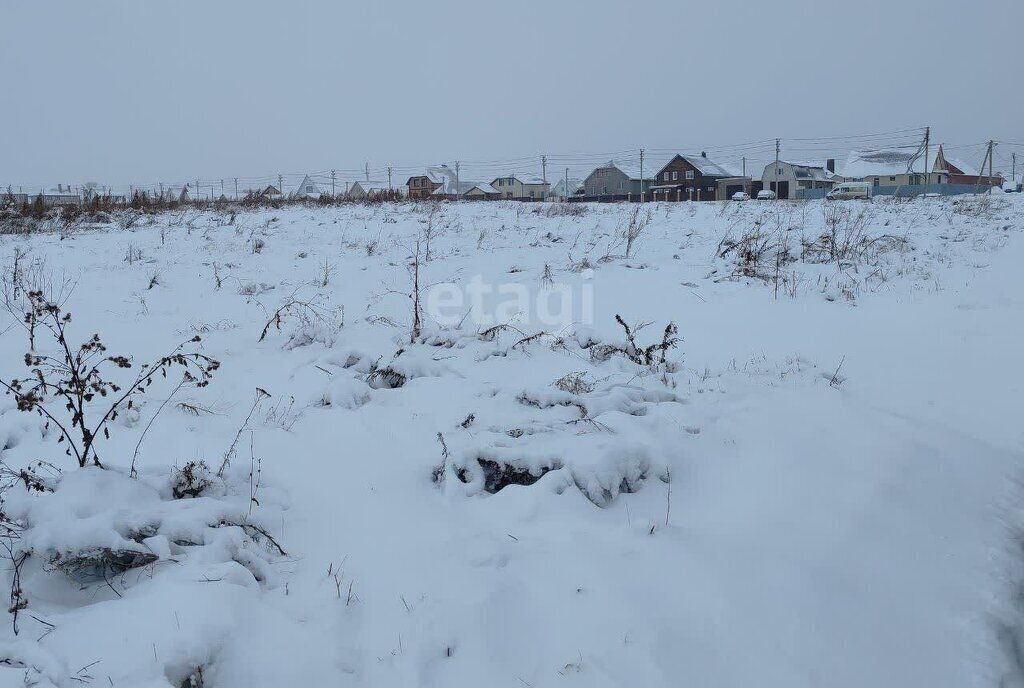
point(676, 178)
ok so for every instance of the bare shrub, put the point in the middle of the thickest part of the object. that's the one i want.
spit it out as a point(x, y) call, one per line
point(78, 378)
point(651, 356)
point(846, 238)
point(310, 314)
point(574, 383)
point(635, 227)
point(132, 254)
point(756, 252)
point(126, 219)
point(561, 210)
point(192, 480)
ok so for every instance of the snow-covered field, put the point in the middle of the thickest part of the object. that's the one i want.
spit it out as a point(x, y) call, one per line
point(818, 485)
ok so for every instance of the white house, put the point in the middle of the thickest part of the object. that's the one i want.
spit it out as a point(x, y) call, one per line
point(521, 187)
point(562, 190)
point(307, 189)
point(786, 178)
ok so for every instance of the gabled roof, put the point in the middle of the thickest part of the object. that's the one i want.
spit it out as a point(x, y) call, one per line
point(368, 187)
point(307, 189)
point(959, 165)
point(559, 189)
point(484, 187)
point(449, 188)
point(703, 165)
point(631, 166)
point(528, 179)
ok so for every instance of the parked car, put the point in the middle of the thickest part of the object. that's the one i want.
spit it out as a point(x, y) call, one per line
point(1011, 187)
point(850, 190)
point(741, 196)
point(766, 195)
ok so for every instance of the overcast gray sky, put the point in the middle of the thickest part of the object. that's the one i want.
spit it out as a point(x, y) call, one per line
point(143, 92)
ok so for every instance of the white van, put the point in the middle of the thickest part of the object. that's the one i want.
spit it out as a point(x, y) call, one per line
point(848, 190)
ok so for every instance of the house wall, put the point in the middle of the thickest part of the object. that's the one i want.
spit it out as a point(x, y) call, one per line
point(695, 186)
point(421, 187)
point(783, 180)
point(609, 181)
point(510, 187)
point(478, 195)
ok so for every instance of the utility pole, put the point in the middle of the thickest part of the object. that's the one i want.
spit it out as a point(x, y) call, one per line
point(333, 176)
point(236, 188)
point(566, 190)
point(775, 172)
point(745, 189)
point(991, 145)
point(367, 168)
point(641, 175)
point(544, 168)
point(280, 185)
point(1013, 157)
point(927, 172)
point(988, 159)
point(389, 177)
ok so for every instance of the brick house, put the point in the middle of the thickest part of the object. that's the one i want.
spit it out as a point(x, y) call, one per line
point(423, 186)
point(688, 178)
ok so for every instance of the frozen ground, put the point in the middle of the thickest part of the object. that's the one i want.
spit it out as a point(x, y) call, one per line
point(817, 487)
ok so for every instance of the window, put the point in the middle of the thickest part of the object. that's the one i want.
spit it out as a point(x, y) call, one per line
point(675, 176)
point(689, 174)
point(876, 181)
point(892, 179)
point(778, 172)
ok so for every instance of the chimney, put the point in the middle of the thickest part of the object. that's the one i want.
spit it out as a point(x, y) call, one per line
point(703, 154)
point(830, 165)
point(59, 188)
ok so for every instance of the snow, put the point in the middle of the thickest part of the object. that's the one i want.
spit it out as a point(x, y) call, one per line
point(820, 485)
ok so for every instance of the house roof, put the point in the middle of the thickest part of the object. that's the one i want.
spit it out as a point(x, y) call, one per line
point(449, 188)
point(959, 164)
point(631, 166)
point(369, 186)
point(895, 161)
point(484, 187)
point(705, 166)
point(559, 189)
point(881, 162)
point(529, 179)
point(300, 191)
point(808, 170)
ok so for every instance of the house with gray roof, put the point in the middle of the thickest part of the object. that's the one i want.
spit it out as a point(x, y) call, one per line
point(689, 178)
point(786, 178)
point(620, 180)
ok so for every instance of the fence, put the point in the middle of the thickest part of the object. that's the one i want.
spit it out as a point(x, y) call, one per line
point(905, 191)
